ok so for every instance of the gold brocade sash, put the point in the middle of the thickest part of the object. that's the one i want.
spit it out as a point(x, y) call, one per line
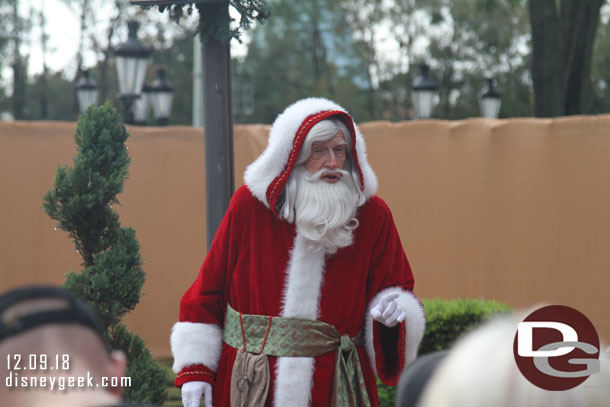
point(293, 337)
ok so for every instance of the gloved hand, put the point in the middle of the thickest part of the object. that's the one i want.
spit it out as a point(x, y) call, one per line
point(192, 391)
point(387, 311)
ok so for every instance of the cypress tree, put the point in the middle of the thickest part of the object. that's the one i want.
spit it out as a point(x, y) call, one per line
point(81, 202)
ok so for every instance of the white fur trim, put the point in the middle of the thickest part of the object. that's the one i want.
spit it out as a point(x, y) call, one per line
point(194, 343)
point(415, 321)
point(294, 381)
point(294, 376)
point(303, 280)
point(271, 162)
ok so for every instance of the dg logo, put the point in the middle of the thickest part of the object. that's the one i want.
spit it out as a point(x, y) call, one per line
point(556, 348)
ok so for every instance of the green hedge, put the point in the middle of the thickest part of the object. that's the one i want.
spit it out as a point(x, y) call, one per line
point(446, 321)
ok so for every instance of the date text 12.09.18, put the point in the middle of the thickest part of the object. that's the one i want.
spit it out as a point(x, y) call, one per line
point(36, 361)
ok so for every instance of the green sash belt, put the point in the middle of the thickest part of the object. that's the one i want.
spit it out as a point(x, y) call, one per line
point(293, 337)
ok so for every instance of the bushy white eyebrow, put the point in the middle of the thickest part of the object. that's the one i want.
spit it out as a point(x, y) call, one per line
point(322, 143)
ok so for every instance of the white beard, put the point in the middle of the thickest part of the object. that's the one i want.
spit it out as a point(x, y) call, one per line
point(324, 217)
point(324, 212)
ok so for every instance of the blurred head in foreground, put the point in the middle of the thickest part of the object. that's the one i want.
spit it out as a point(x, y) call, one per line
point(50, 340)
point(480, 370)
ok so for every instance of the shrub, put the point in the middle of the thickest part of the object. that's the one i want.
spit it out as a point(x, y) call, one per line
point(447, 320)
point(112, 276)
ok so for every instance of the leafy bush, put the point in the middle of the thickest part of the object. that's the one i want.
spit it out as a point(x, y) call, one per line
point(447, 320)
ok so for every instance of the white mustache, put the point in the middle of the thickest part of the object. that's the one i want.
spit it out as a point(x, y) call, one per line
point(325, 171)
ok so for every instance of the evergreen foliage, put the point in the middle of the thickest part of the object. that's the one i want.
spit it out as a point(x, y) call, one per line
point(386, 394)
point(148, 379)
point(215, 21)
point(112, 276)
point(448, 320)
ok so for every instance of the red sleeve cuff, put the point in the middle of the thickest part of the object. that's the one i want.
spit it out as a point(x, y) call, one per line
point(194, 373)
point(389, 351)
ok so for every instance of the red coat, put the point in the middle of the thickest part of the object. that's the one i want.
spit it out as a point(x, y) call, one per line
point(255, 256)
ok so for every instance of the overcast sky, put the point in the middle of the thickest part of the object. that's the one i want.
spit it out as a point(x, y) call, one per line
point(63, 30)
point(62, 27)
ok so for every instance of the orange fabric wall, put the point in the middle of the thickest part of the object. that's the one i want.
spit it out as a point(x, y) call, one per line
point(514, 210)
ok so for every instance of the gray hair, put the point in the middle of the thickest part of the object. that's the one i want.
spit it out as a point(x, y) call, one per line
point(322, 131)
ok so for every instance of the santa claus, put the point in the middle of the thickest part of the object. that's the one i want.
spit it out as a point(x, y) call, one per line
point(306, 293)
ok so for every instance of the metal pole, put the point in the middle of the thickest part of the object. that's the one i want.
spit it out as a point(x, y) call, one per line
point(128, 101)
point(197, 82)
point(218, 133)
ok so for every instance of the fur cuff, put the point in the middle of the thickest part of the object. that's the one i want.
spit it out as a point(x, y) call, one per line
point(415, 324)
point(194, 343)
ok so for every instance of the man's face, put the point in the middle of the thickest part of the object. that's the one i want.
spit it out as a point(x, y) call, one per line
point(328, 155)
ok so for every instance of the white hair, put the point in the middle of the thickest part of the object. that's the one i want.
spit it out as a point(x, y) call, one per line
point(324, 213)
point(322, 131)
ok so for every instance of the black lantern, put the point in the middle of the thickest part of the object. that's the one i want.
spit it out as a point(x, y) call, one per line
point(132, 58)
point(141, 105)
point(86, 91)
point(161, 95)
point(490, 101)
point(424, 92)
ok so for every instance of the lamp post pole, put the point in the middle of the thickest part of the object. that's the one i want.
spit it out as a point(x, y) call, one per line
point(218, 130)
point(218, 119)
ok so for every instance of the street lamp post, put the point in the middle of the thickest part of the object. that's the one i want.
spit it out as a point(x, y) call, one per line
point(424, 92)
point(218, 124)
point(490, 101)
point(86, 91)
point(161, 94)
point(132, 58)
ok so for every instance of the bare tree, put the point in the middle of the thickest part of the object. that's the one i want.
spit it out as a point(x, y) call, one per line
point(104, 48)
point(83, 10)
point(365, 16)
point(44, 43)
point(19, 62)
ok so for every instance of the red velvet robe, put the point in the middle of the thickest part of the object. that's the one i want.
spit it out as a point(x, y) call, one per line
point(261, 265)
point(246, 266)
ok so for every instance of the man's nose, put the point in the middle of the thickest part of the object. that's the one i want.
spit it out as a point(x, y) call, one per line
point(332, 160)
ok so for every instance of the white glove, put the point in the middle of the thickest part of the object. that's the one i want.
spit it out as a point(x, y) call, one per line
point(387, 311)
point(192, 391)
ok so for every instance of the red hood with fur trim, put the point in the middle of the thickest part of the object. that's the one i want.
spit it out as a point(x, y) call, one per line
point(267, 176)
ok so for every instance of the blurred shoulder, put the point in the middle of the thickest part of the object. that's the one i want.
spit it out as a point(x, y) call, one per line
point(243, 200)
point(375, 206)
